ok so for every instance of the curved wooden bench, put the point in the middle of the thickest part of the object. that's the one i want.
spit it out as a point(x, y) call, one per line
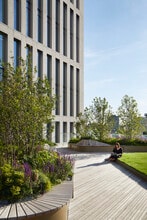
point(53, 205)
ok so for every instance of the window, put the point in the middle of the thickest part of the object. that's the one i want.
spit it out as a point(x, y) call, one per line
point(78, 4)
point(58, 25)
point(40, 21)
point(49, 23)
point(3, 45)
point(17, 15)
point(64, 89)
point(3, 11)
point(64, 131)
point(57, 86)
point(77, 92)
point(29, 18)
point(71, 33)
point(49, 68)
point(29, 58)
point(71, 130)
point(77, 38)
point(39, 63)
point(65, 29)
point(71, 91)
point(16, 52)
point(57, 132)
point(49, 131)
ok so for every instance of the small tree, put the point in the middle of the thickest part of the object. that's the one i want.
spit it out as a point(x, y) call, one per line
point(130, 119)
point(25, 105)
point(97, 120)
point(102, 121)
point(82, 125)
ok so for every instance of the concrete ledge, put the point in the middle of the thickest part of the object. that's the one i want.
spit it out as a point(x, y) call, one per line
point(53, 205)
point(134, 148)
point(131, 169)
point(89, 148)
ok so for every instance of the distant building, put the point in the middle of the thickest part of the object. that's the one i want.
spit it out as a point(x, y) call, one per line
point(52, 30)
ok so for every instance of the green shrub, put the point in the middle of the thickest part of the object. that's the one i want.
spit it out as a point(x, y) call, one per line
point(35, 175)
point(11, 183)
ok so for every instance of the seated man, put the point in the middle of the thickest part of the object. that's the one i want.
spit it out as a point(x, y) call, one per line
point(117, 152)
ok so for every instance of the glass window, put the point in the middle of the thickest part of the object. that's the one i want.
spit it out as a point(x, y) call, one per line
point(64, 131)
point(16, 52)
point(40, 21)
point(71, 32)
point(57, 132)
point(3, 50)
point(28, 51)
point(71, 130)
point(29, 58)
point(58, 25)
point(3, 11)
point(39, 63)
point(64, 88)
point(71, 91)
point(57, 86)
point(77, 38)
point(29, 18)
point(17, 15)
point(78, 4)
point(49, 68)
point(49, 23)
point(77, 92)
point(65, 29)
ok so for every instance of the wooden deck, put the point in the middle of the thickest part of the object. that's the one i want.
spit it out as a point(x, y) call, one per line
point(106, 191)
point(50, 202)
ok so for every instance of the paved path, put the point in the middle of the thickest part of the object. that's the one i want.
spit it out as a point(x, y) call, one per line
point(105, 191)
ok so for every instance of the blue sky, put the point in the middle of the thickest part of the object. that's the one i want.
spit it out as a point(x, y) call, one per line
point(115, 51)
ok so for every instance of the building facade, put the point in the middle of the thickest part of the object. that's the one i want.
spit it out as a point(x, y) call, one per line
point(52, 30)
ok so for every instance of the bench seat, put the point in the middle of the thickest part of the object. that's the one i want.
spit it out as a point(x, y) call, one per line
point(58, 197)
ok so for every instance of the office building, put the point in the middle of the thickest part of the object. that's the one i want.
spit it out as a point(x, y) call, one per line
point(52, 30)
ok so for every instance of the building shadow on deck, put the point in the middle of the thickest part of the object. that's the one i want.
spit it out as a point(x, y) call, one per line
point(131, 175)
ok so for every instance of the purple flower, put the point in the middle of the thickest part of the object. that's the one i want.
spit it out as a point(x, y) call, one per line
point(27, 170)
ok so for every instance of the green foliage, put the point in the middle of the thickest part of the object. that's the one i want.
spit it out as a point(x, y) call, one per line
point(74, 140)
point(130, 119)
point(33, 176)
point(25, 105)
point(96, 121)
point(124, 141)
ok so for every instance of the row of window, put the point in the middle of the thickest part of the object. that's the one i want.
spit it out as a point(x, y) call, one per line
point(17, 55)
point(65, 135)
point(72, 85)
point(40, 31)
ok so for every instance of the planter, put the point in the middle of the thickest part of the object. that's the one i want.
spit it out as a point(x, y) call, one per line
point(53, 205)
point(133, 170)
point(105, 148)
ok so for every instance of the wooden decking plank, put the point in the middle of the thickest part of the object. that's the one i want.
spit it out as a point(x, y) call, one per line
point(45, 205)
point(54, 201)
point(105, 191)
point(26, 209)
point(33, 207)
point(5, 212)
point(13, 213)
point(20, 210)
